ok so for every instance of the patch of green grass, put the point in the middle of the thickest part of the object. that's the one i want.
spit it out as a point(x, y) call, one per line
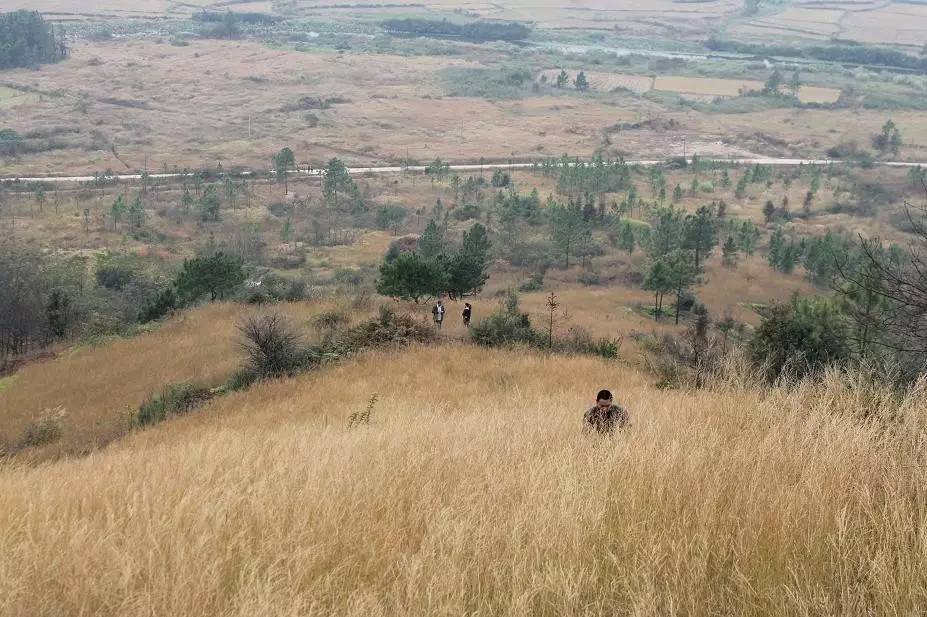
point(6, 382)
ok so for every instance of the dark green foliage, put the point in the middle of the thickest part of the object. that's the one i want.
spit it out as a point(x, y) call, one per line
point(505, 326)
point(431, 243)
point(729, 252)
point(853, 54)
point(800, 338)
point(701, 234)
point(769, 210)
point(59, 313)
point(667, 231)
point(387, 330)
point(215, 275)
point(11, 142)
point(158, 306)
point(889, 140)
point(338, 187)
point(475, 31)
point(467, 212)
point(500, 179)
point(534, 283)
point(175, 399)
point(626, 239)
point(577, 178)
point(581, 83)
point(390, 217)
point(568, 228)
point(209, 204)
point(27, 40)
point(410, 276)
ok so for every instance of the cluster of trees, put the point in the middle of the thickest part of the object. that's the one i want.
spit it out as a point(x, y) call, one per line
point(473, 31)
point(27, 40)
point(889, 140)
point(576, 178)
point(47, 297)
point(434, 269)
point(852, 54)
point(581, 82)
point(214, 275)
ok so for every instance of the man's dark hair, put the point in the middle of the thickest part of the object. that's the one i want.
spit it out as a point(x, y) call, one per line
point(604, 395)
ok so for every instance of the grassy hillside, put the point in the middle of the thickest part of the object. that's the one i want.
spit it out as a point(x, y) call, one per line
point(473, 491)
point(99, 387)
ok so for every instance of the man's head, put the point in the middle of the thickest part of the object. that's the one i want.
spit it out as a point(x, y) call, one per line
point(604, 399)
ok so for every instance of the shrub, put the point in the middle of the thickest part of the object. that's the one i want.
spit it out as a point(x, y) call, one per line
point(273, 349)
point(328, 323)
point(388, 329)
point(534, 283)
point(506, 326)
point(174, 399)
point(801, 337)
point(580, 341)
point(467, 212)
point(589, 279)
point(45, 429)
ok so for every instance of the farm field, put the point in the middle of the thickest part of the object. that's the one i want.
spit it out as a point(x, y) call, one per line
point(879, 23)
point(690, 87)
point(204, 117)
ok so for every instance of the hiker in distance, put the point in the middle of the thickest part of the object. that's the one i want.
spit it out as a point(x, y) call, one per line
point(467, 313)
point(438, 313)
point(606, 416)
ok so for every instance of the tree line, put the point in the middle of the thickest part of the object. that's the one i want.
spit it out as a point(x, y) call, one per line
point(473, 31)
point(26, 39)
point(853, 54)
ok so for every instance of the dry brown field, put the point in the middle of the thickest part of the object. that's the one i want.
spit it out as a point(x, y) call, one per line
point(170, 106)
point(474, 490)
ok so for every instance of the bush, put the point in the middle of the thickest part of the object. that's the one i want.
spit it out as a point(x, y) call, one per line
point(273, 349)
point(799, 338)
point(534, 283)
point(174, 399)
point(386, 330)
point(45, 429)
point(589, 279)
point(506, 326)
point(328, 323)
point(467, 212)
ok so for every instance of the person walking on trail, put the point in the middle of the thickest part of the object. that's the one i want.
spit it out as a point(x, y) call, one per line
point(438, 313)
point(606, 416)
point(467, 313)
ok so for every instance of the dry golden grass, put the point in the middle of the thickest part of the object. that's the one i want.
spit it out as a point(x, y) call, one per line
point(100, 387)
point(473, 491)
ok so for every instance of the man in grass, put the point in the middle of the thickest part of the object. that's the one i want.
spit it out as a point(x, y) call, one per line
point(606, 416)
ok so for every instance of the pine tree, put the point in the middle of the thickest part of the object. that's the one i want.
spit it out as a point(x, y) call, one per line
point(741, 191)
point(626, 240)
point(431, 243)
point(777, 247)
point(769, 210)
point(729, 252)
point(581, 83)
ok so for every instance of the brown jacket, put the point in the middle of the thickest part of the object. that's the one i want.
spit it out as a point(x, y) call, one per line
point(605, 421)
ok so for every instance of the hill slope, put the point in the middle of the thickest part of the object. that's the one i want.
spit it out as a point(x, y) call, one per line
point(472, 491)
